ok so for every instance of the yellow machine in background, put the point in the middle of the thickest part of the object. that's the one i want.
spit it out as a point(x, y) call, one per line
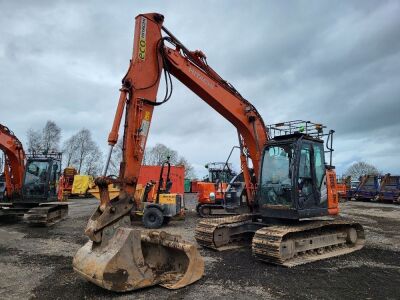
point(82, 185)
point(113, 191)
point(155, 204)
point(73, 185)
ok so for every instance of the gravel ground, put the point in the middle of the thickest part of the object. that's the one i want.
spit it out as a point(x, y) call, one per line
point(36, 263)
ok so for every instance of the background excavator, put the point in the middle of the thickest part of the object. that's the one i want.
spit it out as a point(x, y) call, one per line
point(14, 162)
point(211, 192)
point(286, 181)
point(31, 183)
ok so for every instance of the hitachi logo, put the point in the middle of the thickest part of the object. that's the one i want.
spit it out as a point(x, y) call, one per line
point(198, 75)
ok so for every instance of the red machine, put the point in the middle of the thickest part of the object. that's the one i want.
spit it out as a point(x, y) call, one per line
point(284, 170)
point(66, 182)
point(152, 173)
point(15, 158)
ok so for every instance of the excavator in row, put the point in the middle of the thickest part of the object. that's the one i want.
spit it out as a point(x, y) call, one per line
point(211, 190)
point(287, 212)
point(31, 183)
point(14, 162)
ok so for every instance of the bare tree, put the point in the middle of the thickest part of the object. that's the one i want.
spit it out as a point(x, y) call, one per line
point(152, 156)
point(51, 135)
point(69, 149)
point(159, 153)
point(34, 138)
point(94, 161)
point(146, 157)
point(84, 146)
point(189, 170)
point(81, 152)
point(361, 168)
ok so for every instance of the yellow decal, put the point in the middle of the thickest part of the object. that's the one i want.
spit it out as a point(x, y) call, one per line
point(142, 38)
point(144, 128)
point(167, 198)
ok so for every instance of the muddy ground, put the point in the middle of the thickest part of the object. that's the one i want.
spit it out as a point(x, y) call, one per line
point(36, 263)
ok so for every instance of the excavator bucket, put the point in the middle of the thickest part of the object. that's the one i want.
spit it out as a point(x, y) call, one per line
point(131, 260)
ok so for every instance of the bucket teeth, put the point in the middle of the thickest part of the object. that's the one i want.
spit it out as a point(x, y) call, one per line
point(131, 260)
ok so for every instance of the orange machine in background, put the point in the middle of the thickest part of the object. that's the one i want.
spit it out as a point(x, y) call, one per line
point(211, 191)
point(14, 162)
point(343, 186)
point(65, 183)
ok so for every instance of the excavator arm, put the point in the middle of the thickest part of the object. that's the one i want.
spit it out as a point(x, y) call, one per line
point(14, 160)
point(152, 56)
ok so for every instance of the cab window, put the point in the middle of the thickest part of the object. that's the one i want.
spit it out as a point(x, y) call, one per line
point(305, 185)
point(319, 164)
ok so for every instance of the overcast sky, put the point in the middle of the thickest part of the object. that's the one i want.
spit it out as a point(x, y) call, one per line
point(334, 62)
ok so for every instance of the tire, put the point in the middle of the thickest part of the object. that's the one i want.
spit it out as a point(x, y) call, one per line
point(153, 218)
point(204, 211)
point(197, 208)
point(166, 220)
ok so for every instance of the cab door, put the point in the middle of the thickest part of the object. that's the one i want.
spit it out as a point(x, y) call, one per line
point(53, 178)
point(305, 186)
point(311, 179)
point(319, 173)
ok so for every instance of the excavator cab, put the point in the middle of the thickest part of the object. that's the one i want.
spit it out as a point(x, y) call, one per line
point(293, 182)
point(41, 177)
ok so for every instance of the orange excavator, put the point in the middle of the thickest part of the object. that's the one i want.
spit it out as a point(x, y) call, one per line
point(286, 180)
point(14, 162)
point(211, 191)
point(31, 182)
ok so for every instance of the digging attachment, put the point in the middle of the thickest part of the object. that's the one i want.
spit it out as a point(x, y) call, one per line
point(131, 260)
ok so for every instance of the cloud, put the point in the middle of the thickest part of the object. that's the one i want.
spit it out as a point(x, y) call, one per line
point(336, 64)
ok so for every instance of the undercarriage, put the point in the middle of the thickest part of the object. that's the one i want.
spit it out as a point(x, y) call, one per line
point(285, 245)
point(38, 214)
